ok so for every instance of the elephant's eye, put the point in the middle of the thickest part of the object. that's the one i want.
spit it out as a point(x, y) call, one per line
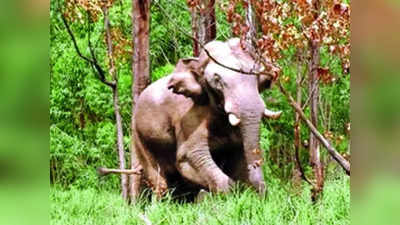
point(217, 77)
point(218, 81)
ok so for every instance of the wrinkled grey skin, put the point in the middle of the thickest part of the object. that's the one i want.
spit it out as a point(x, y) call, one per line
point(183, 133)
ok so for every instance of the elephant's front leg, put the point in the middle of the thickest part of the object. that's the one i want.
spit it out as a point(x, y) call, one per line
point(249, 174)
point(195, 163)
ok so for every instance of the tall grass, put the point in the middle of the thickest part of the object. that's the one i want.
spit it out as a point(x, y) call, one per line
point(283, 205)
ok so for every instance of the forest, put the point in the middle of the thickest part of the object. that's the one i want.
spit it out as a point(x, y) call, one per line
point(101, 60)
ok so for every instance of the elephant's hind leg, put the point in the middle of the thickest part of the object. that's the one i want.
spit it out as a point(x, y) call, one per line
point(158, 181)
point(154, 172)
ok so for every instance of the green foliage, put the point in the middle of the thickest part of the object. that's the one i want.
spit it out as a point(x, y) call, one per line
point(167, 44)
point(281, 206)
point(82, 131)
point(334, 115)
point(161, 72)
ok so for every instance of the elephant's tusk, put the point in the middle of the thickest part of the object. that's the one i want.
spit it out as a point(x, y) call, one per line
point(233, 120)
point(271, 114)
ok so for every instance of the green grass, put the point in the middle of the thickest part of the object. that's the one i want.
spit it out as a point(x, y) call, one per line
point(282, 206)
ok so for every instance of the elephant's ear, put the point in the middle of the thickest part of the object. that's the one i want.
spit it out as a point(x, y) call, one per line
point(185, 78)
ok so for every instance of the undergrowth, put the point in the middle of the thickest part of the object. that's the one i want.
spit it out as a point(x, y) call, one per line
point(283, 205)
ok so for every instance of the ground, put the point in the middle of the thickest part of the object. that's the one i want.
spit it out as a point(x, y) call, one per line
point(283, 205)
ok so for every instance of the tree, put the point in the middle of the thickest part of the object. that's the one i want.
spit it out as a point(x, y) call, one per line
point(140, 73)
point(203, 23)
point(118, 118)
point(140, 77)
point(313, 94)
point(72, 12)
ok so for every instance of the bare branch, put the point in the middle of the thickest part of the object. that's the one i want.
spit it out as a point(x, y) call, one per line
point(109, 43)
point(92, 61)
point(105, 171)
point(331, 150)
point(74, 39)
point(101, 73)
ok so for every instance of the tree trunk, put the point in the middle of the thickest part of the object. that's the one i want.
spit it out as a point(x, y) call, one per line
point(203, 24)
point(298, 172)
point(141, 73)
point(211, 24)
point(252, 33)
point(120, 143)
point(118, 118)
point(313, 89)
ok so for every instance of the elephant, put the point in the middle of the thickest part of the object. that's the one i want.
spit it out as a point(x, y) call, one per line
point(201, 124)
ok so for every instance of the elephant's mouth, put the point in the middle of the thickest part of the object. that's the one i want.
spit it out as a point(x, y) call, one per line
point(226, 108)
point(217, 99)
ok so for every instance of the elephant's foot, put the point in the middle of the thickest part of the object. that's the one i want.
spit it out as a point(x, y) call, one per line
point(220, 183)
point(214, 180)
point(157, 183)
point(256, 179)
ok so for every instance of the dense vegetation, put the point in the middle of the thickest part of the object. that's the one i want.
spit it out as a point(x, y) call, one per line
point(282, 206)
point(82, 131)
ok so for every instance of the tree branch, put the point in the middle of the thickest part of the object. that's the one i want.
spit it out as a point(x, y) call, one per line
point(74, 40)
point(100, 71)
point(93, 61)
point(331, 150)
point(109, 43)
point(105, 171)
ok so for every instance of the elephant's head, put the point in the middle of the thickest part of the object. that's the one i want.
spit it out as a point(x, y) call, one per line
point(236, 94)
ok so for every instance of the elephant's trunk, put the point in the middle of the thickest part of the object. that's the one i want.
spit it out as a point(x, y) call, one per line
point(250, 130)
point(245, 110)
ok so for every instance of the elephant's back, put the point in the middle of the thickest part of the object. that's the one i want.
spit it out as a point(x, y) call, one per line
point(151, 118)
point(161, 103)
point(158, 94)
point(156, 111)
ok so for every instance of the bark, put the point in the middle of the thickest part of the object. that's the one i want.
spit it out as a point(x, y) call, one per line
point(331, 150)
point(203, 24)
point(251, 24)
point(297, 140)
point(120, 144)
point(211, 25)
point(118, 118)
point(196, 32)
point(313, 89)
point(298, 171)
point(141, 73)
